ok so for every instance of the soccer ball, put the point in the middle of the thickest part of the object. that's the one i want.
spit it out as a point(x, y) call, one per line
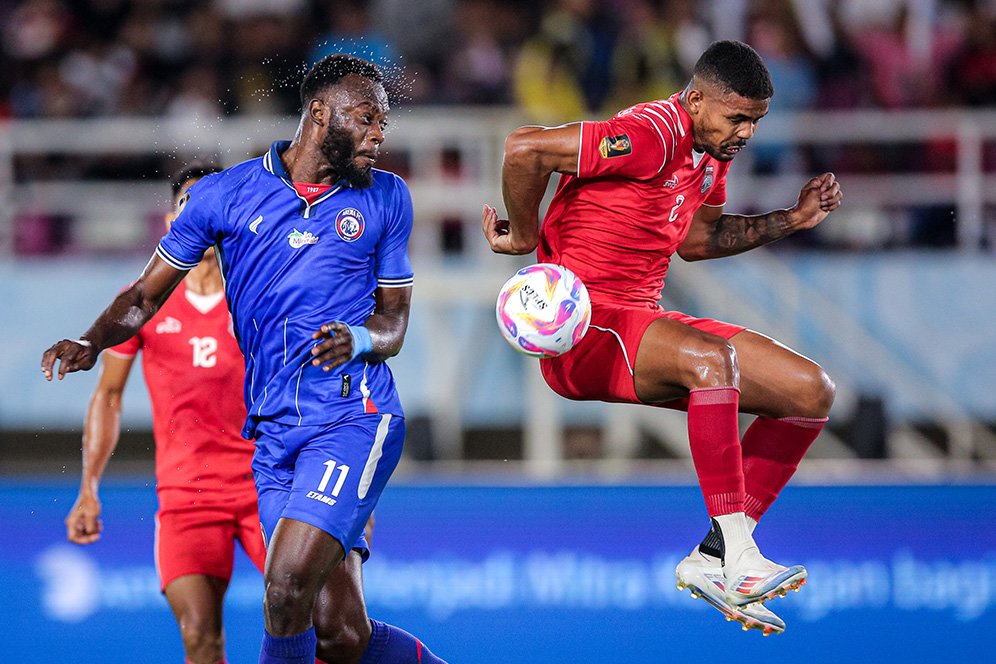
point(543, 310)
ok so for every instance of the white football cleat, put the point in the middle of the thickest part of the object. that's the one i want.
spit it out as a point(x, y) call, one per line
point(750, 577)
point(703, 576)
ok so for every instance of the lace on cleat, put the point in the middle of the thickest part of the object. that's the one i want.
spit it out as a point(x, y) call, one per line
point(703, 576)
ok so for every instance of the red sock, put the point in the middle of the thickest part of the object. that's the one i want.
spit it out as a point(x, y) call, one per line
point(714, 439)
point(772, 450)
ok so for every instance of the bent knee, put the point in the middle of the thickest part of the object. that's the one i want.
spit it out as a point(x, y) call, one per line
point(710, 361)
point(288, 595)
point(202, 640)
point(818, 395)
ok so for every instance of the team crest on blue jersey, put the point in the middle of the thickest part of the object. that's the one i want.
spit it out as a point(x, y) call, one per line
point(707, 182)
point(349, 224)
point(297, 239)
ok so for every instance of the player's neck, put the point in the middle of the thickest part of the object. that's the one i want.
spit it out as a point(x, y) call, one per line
point(305, 162)
point(205, 279)
point(683, 100)
point(684, 104)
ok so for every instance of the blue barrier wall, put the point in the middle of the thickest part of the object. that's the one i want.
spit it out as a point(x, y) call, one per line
point(543, 574)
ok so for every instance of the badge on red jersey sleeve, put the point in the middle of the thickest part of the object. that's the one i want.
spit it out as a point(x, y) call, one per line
point(625, 147)
point(615, 146)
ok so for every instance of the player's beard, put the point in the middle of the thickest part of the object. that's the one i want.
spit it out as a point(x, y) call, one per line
point(721, 153)
point(340, 151)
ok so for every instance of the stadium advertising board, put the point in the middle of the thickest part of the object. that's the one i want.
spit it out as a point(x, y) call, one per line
point(542, 574)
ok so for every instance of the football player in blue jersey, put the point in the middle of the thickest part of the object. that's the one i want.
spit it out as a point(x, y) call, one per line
point(313, 244)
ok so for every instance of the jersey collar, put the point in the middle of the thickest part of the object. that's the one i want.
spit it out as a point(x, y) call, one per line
point(683, 117)
point(273, 165)
point(685, 121)
point(271, 160)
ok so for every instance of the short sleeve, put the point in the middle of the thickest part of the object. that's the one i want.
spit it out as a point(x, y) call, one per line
point(717, 195)
point(196, 227)
point(127, 349)
point(393, 266)
point(630, 146)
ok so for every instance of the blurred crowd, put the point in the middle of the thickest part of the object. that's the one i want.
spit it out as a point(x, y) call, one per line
point(556, 59)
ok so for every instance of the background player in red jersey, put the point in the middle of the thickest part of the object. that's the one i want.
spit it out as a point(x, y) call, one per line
point(634, 190)
point(207, 498)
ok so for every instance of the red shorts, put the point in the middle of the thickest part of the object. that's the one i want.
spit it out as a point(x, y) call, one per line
point(600, 367)
point(200, 539)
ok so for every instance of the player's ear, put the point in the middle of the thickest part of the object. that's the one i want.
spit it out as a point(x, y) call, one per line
point(318, 112)
point(693, 99)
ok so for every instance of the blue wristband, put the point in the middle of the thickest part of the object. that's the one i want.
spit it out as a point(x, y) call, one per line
point(362, 342)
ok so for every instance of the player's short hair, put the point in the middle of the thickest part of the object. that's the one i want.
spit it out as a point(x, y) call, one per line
point(330, 69)
point(194, 169)
point(736, 67)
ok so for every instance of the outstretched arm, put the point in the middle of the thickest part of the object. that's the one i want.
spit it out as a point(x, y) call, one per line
point(100, 437)
point(119, 322)
point(386, 328)
point(713, 234)
point(532, 154)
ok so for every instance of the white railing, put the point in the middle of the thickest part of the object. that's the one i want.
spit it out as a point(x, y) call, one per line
point(426, 136)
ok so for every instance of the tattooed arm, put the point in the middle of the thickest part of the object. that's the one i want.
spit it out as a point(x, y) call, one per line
point(713, 234)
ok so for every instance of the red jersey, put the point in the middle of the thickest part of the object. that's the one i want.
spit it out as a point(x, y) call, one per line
point(617, 223)
point(194, 371)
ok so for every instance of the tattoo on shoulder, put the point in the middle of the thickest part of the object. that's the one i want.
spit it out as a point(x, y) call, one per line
point(735, 233)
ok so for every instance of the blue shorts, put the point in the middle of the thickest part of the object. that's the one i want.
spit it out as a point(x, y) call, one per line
point(329, 476)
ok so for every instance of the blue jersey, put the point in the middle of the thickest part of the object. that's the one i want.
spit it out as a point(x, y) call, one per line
point(290, 267)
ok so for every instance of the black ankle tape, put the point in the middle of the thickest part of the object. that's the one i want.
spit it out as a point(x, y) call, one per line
point(712, 544)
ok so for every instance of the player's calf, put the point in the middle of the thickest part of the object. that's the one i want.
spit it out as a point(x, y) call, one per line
point(342, 636)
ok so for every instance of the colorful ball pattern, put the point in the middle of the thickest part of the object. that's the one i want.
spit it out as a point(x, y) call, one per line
point(543, 310)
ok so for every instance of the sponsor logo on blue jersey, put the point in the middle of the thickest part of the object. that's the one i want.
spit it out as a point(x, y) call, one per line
point(298, 239)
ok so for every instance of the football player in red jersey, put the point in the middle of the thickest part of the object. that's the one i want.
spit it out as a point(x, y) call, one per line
point(204, 482)
point(634, 190)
